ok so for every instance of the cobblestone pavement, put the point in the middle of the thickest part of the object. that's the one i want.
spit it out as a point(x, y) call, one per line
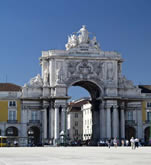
point(75, 156)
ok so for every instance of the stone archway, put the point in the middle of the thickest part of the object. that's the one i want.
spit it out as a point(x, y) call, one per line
point(11, 131)
point(84, 64)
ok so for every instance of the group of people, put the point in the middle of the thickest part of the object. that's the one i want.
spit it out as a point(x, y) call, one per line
point(134, 142)
point(114, 142)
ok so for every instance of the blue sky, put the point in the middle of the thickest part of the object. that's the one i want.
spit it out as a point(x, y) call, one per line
point(28, 27)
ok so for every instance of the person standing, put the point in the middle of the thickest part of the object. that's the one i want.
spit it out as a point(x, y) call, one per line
point(132, 140)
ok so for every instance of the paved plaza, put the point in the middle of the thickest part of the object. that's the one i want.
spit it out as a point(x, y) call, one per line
point(75, 156)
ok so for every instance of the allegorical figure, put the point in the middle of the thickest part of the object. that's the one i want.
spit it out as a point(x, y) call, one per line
point(84, 35)
point(110, 71)
point(45, 77)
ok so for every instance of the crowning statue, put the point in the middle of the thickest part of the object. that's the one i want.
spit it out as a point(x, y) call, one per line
point(84, 35)
point(75, 40)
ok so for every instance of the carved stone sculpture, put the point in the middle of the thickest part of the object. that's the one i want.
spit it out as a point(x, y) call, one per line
point(110, 71)
point(59, 75)
point(45, 77)
point(84, 35)
point(36, 81)
point(82, 40)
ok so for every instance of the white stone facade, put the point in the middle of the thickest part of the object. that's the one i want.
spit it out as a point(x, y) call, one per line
point(87, 121)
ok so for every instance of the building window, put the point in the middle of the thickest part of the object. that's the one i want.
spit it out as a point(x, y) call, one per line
point(76, 123)
point(130, 115)
point(12, 115)
point(34, 115)
point(76, 115)
point(12, 103)
point(148, 104)
point(149, 116)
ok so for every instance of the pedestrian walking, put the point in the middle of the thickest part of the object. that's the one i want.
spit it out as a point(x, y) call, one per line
point(122, 142)
point(109, 143)
point(136, 142)
point(132, 140)
point(115, 142)
point(127, 142)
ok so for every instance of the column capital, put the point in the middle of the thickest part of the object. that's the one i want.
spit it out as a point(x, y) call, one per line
point(111, 104)
point(56, 105)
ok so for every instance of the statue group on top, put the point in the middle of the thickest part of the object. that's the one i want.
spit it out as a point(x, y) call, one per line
point(81, 39)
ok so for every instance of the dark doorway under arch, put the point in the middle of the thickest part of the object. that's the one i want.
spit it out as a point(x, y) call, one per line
point(130, 132)
point(147, 134)
point(33, 136)
point(11, 131)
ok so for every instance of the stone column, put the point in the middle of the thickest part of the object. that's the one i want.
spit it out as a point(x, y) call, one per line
point(56, 125)
point(108, 124)
point(52, 123)
point(139, 122)
point(24, 121)
point(63, 113)
point(102, 121)
point(122, 123)
point(115, 122)
point(50, 126)
point(44, 123)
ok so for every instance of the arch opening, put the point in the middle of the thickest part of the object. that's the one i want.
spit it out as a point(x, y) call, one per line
point(89, 112)
point(147, 135)
point(91, 87)
point(33, 136)
point(11, 131)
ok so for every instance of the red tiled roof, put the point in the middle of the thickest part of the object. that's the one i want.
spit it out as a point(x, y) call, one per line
point(9, 87)
point(77, 104)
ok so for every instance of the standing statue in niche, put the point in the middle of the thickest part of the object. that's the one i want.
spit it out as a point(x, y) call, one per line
point(45, 77)
point(110, 71)
point(84, 35)
point(59, 75)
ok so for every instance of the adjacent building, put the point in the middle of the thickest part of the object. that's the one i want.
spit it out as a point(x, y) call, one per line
point(75, 119)
point(10, 110)
point(87, 120)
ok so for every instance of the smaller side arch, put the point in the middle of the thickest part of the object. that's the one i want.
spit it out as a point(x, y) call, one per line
point(11, 131)
point(147, 135)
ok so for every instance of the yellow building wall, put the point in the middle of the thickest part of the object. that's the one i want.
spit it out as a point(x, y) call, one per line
point(144, 111)
point(4, 110)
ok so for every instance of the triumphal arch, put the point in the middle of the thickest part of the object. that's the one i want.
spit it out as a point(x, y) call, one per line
point(83, 64)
